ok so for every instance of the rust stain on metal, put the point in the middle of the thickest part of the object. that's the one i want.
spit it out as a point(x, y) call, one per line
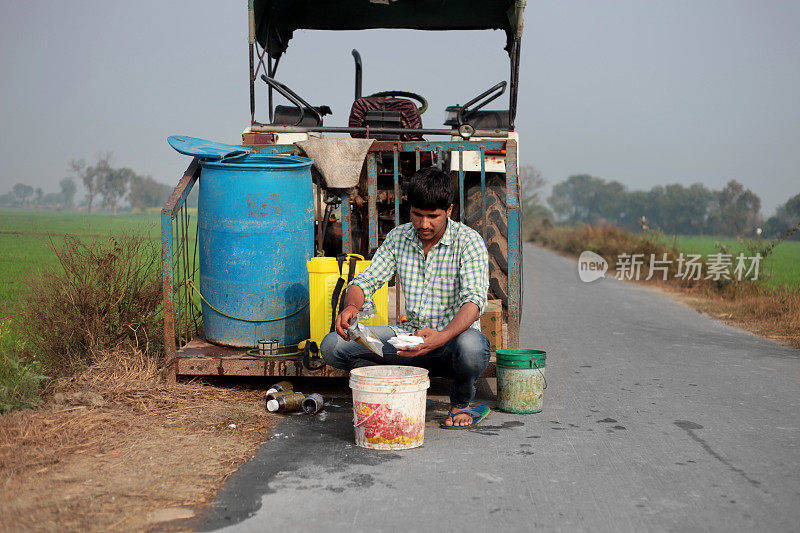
point(258, 139)
point(185, 184)
point(385, 146)
point(245, 365)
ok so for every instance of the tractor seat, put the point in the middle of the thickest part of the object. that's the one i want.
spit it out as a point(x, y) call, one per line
point(287, 115)
point(386, 112)
point(480, 120)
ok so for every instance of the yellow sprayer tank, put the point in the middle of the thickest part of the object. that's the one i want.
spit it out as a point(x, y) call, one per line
point(323, 272)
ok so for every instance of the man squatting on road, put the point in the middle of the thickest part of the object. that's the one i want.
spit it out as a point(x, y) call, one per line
point(444, 274)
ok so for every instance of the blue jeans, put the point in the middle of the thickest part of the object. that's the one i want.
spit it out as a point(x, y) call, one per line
point(463, 359)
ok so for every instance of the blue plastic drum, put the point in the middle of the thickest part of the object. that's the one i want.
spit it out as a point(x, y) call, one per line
point(256, 232)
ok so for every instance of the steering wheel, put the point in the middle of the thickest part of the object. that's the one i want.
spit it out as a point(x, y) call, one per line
point(405, 94)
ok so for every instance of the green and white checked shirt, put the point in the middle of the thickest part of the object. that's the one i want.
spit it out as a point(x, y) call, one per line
point(455, 272)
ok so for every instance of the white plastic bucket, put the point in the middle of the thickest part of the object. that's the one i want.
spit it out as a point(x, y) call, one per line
point(389, 406)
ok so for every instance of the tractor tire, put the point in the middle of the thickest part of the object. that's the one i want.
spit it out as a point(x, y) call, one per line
point(496, 234)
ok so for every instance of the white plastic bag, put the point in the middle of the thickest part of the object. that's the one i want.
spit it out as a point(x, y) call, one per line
point(404, 342)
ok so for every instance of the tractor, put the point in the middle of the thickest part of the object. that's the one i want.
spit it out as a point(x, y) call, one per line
point(477, 145)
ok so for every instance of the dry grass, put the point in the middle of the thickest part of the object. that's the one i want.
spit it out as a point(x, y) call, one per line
point(104, 293)
point(113, 445)
point(607, 241)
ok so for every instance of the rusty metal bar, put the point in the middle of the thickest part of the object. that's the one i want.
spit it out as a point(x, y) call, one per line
point(461, 184)
point(181, 192)
point(514, 245)
point(512, 93)
point(173, 220)
point(483, 192)
point(416, 149)
point(196, 311)
point(184, 251)
point(199, 363)
point(167, 276)
point(252, 86)
point(176, 245)
point(178, 250)
point(345, 213)
point(260, 63)
point(428, 146)
point(401, 146)
point(372, 201)
point(251, 39)
point(176, 265)
point(318, 210)
point(396, 173)
point(269, 89)
point(280, 128)
point(239, 364)
point(514, 76)
point(188, 305)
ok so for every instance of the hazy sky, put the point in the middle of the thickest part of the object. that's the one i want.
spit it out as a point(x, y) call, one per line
point(644, 92)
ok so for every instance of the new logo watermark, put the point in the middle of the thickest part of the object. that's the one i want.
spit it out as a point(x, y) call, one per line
point(591, 266)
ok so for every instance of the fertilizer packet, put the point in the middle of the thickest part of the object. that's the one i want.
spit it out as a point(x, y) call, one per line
point(404, 342)
point(365, 337)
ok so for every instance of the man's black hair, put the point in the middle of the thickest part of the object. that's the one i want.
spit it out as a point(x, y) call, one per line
point(430, 188)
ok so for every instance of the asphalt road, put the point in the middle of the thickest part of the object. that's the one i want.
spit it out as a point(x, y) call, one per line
point(656, 418)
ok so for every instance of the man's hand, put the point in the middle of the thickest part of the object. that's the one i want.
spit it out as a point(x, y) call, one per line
point(433, 339)
point(344, 319)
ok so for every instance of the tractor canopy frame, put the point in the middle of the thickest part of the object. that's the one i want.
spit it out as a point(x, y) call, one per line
point(273, 22)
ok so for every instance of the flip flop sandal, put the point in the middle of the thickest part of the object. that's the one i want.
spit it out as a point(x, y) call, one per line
point(477, 413)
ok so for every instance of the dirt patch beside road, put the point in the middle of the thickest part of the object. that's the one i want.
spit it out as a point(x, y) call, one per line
point(115, 449)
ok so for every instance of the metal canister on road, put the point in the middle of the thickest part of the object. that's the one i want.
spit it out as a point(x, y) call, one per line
point(281, 386)
point(313, 404)
point(275, 394)
point(285, 402)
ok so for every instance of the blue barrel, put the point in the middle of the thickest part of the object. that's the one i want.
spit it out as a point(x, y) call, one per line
point(256, 232)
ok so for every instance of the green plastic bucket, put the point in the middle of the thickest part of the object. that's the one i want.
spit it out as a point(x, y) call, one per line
point(520, 380)
point(521, 358)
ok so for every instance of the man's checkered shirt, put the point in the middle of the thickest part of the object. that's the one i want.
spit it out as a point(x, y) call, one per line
point(455, 272)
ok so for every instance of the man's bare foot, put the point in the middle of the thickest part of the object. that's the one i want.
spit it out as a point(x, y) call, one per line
point(461, 417)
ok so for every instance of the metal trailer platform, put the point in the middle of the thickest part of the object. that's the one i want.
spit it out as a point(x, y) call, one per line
point(201, 358)
point(187, 352)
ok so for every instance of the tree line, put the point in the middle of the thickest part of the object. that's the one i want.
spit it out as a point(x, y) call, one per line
point(676, 209)
point(103, 183)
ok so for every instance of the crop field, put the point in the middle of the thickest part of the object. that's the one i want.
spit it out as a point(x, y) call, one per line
point(782, 267)
point(25, 236)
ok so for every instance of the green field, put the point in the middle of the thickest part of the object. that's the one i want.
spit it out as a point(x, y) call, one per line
point(25, 235)
point(781, 267)
point(25, 240)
